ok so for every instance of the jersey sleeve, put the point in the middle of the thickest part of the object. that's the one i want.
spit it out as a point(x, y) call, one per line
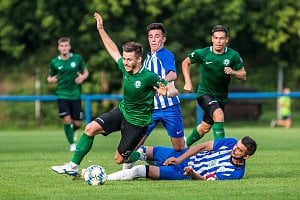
point(154, 79)
point(82, 65)
point(51, 70)
point(195, 56)
point(169, 62)
point(238, 61)
point(237, 174)
point(225, 142)
point(121, 65)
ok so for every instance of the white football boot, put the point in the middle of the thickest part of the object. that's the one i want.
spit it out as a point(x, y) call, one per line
point(68, 168)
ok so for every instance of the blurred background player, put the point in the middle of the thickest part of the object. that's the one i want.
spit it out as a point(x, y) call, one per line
point(217, 64)
point(68, 70)
point(285, 104)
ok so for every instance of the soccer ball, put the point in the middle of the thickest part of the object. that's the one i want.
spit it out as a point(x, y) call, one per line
point(94, 175)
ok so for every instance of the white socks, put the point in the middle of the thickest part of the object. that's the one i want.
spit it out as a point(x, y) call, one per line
point(138, 171)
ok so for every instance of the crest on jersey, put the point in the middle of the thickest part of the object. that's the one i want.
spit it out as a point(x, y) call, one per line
point(137, 84)
point(226, 62)
point(73, 64)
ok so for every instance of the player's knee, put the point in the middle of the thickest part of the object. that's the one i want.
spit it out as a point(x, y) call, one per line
point(118, 159)
point(204, 128)
point(77, 124)
point(218, 115)
point(89, 129)
point(93, 128)
point(179, 144)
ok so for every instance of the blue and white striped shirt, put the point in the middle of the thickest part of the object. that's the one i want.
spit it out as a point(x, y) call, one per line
point(161, 62)
point(218, 161)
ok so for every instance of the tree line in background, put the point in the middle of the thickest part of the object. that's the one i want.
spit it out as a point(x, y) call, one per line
point(266, 33)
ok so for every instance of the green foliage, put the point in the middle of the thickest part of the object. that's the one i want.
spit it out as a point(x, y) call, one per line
point(26, 157)
point(265, 33)
point(278, 22)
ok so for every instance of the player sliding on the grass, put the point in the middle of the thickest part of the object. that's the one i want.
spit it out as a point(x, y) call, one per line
point(134, 113)
point(222, 159)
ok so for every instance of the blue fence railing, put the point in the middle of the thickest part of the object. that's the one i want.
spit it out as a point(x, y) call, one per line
point(93, 97)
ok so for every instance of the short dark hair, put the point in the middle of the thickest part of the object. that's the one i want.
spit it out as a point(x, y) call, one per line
point(63, 39)
point(218, 28)
point(250, 144)
point(158, 26)
point(133, 47)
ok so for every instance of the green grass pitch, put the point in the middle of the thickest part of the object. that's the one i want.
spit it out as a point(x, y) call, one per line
point(27, 155)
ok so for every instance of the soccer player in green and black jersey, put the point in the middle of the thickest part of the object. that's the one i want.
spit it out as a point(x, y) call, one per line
point(68, 71)
point(134, 113)
point(217, 64)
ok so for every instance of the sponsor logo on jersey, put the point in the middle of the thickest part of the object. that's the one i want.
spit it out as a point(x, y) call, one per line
point(208, 62)
point(60, 67)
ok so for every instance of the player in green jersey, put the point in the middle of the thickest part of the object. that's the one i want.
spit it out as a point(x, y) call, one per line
point(68, 71)
point(134, 113)
point(217, 64)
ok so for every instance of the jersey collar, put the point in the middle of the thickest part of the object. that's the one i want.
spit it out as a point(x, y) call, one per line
point(60, 58)
point(211, 49)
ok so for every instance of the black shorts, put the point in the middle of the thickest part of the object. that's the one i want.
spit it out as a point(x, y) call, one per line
point(69, 107)
point(209, 105)
point(131, 135)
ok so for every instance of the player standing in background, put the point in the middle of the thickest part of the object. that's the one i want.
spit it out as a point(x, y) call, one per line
point(166, 109)
point(217, 64)
point(134, 113)
point(222, 159)
point(285, 103)
point(68, 71)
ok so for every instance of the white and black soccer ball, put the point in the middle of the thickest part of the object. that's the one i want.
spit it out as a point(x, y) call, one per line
point(94, 175)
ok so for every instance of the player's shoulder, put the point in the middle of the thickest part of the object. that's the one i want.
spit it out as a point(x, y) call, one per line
point(204, 49)
point(231, 51)
point(146, 72)
point(165, 52)
point(75, 55)
point(228, 142)
point(54, 60)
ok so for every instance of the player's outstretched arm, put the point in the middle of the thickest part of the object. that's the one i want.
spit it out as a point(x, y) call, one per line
point(110, 46)
point(206, 146)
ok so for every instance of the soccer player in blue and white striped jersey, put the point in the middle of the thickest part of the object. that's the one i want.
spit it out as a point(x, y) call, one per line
point(166, 109)
point(222, 159)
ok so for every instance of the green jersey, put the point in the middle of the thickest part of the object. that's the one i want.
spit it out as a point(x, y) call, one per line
point(66, 72)
point(138, 102)
point(213, 80)
point(285, 109)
